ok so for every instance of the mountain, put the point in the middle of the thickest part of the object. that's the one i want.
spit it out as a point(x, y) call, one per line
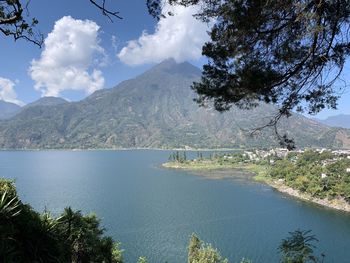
point(46, 101)
point(341, 120)
point(8, 109)
point(155, 110)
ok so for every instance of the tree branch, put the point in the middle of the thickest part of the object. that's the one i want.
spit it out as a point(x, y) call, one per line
point(106, 12)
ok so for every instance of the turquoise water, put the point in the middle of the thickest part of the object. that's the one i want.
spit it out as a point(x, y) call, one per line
point(153, 211)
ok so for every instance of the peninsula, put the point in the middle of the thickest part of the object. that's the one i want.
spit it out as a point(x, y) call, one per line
point(321, 176)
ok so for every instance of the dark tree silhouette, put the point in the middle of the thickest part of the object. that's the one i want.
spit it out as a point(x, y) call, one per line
point(288, 53)
point(15, 19)
point(15, 23)
point(299, 248)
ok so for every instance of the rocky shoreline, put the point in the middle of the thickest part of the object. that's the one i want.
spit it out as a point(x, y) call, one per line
point(337, 203)
point(227, 172)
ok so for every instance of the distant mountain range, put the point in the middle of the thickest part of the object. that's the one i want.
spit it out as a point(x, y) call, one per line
point(154, 110)
point(46, 101)
point(8, 109)
point(341, 120)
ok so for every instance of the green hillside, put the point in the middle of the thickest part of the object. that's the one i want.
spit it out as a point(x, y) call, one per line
point(154, 110)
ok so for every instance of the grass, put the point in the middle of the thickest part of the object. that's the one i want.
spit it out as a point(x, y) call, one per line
point(201, 165)
point(261, 171)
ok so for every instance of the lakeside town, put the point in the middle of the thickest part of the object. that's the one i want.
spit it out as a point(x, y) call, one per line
point(283, 152)
point(273, 154)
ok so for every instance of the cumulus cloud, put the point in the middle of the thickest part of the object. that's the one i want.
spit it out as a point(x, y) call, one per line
point(180, 37)
point(70, 59)
point(7, 91)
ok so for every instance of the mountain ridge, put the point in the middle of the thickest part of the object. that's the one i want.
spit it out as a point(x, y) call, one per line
point(8, 109)
point(46, 101)
point(340, 120)
point(155, 110)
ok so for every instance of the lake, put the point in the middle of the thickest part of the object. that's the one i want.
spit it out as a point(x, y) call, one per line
point(153, 211)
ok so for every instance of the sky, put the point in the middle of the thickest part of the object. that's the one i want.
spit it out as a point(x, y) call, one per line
point(84, 51)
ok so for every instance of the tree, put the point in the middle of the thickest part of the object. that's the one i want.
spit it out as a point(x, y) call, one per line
point(15, 19)
point(27, 236)
point(142, 260)
point(198, 252)
point(289, 53)
point(298, 247)
point(193, 248)
point(14, 23)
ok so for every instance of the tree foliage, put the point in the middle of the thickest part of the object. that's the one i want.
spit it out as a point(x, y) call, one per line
point(27, 236)
point(142, 260)
point(298, 247)
point(288, 53)
point(321, 175)
point(16, 21)
point(198, 252)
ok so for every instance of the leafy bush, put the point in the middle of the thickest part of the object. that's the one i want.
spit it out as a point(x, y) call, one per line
point(27, 236)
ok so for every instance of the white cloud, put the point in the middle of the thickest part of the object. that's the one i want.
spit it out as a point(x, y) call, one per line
point(7, 91)
point(114, 42)
point(70, 59)
point(180, 37)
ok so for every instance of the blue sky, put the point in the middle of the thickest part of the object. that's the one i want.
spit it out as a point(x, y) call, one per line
point(84, 51)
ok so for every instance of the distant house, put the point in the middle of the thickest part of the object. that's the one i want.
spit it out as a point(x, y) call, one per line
point(348, 170)
point(321, 150)
point(323, 176)
point(341, 152)
point(281, 152)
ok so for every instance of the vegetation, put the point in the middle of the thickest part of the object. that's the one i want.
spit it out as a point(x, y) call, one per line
point(213, 162)
point(178, 157)
point(318, 174)
point(166, 117)
point(299, 248)
point(198, 252)
point(296, 248)
point(27, 236)
point(142, 260)
point(288, 53)
point(16, 21)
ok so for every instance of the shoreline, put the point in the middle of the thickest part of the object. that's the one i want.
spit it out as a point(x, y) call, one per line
point(337, 203)
point(120, 149)
point(187, 149)
point(260, 175)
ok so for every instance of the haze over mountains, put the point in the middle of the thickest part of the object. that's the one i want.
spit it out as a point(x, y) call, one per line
point(8, 109)
point(46, 101)
point(341, 120)
point(153, 110)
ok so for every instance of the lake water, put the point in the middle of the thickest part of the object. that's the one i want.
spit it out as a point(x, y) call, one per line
point(153, 211)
